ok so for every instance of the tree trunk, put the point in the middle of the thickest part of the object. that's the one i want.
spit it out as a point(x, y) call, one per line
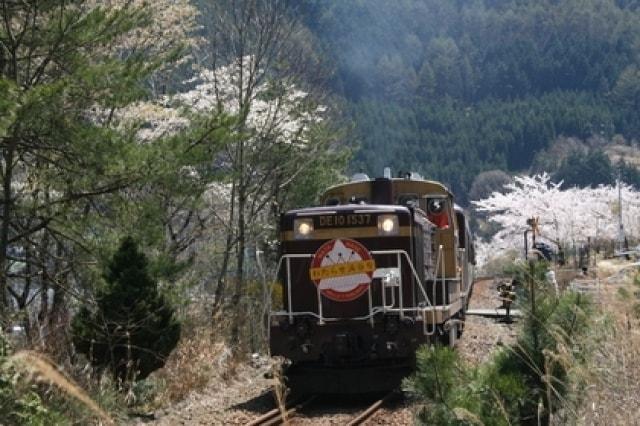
point(23, 300)
point(57, 304)
point(237, 303)
point(224, 268)
point(43, 314)
point(4, 228)
point(56, 340)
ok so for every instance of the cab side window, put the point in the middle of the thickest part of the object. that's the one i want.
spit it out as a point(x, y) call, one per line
point(438, 212)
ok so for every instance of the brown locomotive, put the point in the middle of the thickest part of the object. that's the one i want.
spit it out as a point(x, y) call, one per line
point(382, 267)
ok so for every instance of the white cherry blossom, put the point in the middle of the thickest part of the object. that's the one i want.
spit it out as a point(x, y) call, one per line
point(568, 217)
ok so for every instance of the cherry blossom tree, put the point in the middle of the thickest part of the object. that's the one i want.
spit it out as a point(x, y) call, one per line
point(260, 41)
point(565, 216)
point(282, 136)
point(278, 135)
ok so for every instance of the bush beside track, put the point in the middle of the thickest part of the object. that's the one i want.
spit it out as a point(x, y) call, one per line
point(532, 381)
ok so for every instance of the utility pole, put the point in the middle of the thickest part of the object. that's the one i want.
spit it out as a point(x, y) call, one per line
point(620, 226)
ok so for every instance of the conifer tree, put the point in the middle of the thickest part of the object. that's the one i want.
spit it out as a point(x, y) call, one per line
point(66, 69)
point(525, 383)
point(132, 329)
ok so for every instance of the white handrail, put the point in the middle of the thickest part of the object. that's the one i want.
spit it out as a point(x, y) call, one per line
point(375, 311)
point(440, 265)
point(401, 288)
point(401, 310)
point(289, 300)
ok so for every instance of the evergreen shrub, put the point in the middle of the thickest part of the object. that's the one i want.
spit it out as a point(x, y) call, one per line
point(132, 329)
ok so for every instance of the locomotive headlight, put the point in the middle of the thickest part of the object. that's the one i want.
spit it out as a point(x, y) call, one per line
point(388, 224)
point(303, 228)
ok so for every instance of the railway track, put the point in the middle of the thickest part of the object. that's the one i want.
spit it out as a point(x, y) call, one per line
point(275, 416)
point(370, 411)
point(278, 416)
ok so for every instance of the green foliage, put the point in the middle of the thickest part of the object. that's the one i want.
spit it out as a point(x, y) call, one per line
point(627, 87)
point(25, 407)
point(324, 168)
point(524, 382)
point(555, 322)
point(20, 403)
point(440, 380)
point(177, 172)
point(455, 393)
point(63, 75)
point(132, 329)
point(8, 105)
point(628, 174)
point(453, 142)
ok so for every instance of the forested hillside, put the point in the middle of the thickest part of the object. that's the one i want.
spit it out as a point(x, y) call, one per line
point(454, 88)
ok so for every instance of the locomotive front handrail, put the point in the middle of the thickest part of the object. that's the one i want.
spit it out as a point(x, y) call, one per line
point(384, 291)
point(440, 262)
point(279, 265)
point(401, 310)
point(376, 310)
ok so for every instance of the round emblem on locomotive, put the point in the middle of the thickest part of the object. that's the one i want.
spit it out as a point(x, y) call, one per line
point(342, 269)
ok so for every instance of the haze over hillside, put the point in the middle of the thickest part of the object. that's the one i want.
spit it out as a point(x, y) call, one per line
point(451, 89)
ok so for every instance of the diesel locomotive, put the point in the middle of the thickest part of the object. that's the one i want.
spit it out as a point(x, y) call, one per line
point(383, 266)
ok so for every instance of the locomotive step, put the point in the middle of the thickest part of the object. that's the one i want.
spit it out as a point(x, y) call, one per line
point(494, 313)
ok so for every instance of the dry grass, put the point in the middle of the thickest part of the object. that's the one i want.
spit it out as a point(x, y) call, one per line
point(190, 366)
point(613, 394)
point(201, 355)
point(280, 390)
point(41, 369)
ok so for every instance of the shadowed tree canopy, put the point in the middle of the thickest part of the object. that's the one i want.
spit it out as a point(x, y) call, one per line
point(592, 169)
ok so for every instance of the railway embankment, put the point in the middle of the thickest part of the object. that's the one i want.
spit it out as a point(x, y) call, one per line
point(247, 395)
point(610, 378)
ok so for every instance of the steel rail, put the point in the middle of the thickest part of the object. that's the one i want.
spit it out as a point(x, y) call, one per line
point(366, 414)
point(275, 416)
